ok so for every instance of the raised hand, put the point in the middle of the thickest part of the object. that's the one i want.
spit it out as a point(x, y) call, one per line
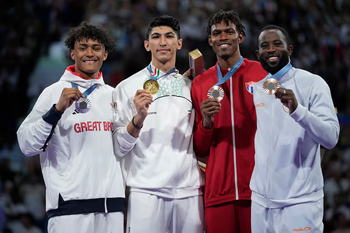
point(209, 108)
point(287, 98)
point(142, 100)
point(68, 96)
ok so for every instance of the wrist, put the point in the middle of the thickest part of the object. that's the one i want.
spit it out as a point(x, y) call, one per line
point(55, 108)
point(136, 125)
point(207, 125)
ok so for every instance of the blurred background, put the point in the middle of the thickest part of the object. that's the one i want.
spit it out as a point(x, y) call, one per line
point(33, 56)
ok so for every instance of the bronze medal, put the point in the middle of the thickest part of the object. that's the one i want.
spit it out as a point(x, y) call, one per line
point(270, 86)
point(152, 86)
point(216, 92)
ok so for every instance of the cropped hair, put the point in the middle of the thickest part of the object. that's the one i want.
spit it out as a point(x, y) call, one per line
point(275, 27)
point(164, 20)
point(86, 31)
point(227, 17)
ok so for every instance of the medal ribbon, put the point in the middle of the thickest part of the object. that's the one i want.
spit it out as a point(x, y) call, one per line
point(88, 91)
point(281, 72)
point(233, 70)
point(154, 77)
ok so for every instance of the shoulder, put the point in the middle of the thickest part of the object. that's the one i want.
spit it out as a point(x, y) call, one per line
point(306, 77)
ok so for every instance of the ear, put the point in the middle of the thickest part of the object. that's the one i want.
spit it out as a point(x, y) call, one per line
point(257, 54)
point(72, 55)
point(240, 38)
point(105, 55)
point(210, 41)
point(146, 44)
point(179, 44)
point(290, 49)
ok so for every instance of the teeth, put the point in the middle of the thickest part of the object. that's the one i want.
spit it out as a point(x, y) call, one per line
point(273, 59)
point(89, 61)
point(223, 45)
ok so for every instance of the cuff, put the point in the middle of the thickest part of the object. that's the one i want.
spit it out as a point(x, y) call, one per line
point(204, 130)
point(52, 116)
point(299, 113)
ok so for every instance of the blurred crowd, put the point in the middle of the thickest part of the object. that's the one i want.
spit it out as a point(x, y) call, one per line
point(33, 32)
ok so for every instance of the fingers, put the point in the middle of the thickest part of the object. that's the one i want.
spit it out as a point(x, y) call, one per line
point(188, 73)
point(284, 94)
point(142, 100)
point(142, 97)
point(210, 106)
point(68, 96)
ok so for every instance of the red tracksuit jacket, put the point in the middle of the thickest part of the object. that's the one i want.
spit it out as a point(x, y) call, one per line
point(229, 144)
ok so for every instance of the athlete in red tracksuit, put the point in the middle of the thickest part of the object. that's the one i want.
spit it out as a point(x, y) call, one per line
point(229, 140)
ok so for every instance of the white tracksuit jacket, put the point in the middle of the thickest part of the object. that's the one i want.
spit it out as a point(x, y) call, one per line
point(287, 146)
point(161, 161)
point(79, 162)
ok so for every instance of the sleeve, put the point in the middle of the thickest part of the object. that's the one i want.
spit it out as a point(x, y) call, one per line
point(319, 118)
point(202, 137)
point(123, 142)
point(36, 130)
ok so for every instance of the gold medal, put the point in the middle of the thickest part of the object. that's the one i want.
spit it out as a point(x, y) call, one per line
point(216, 92)
point(270, 86)
point(152, 86)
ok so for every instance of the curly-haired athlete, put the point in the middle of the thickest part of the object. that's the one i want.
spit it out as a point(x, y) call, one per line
point(70, 127)
point(224, 128)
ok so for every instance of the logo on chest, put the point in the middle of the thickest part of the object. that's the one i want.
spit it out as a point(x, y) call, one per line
point(250, 86)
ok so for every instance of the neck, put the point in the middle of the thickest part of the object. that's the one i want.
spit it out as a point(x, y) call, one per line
point(164, 67)
point(227, 63)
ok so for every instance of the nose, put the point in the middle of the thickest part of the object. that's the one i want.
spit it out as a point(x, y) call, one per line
point(271, 48)
point(89, 51)
point(223, 36)
point(162, 40)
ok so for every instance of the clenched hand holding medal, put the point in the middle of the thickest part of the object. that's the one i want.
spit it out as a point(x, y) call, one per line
point(83, 105)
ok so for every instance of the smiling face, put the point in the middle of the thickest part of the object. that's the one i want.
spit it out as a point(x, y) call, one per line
point(273, 52)
point(88, 56)
point(225, 40)
point(163, 43)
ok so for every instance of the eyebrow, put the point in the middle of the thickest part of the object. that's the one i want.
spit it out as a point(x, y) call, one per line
point(86, 45)
point(159, 34)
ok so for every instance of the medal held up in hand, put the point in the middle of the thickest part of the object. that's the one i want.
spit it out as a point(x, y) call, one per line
point(216, 92)
point(152, 86)
point(83, 105)
point(270, 86)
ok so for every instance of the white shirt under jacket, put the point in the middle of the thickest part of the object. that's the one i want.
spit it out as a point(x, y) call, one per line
point(287, 146)
point(161, 161)
point(79, 161)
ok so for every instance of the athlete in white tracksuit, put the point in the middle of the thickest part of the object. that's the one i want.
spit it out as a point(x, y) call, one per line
point(287, 182)
point(154, 137)
point(161, 162)
point(84, 184)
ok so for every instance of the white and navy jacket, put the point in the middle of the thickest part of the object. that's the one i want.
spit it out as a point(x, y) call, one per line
point(287, 146)
point(161, 161)
point(81, 172)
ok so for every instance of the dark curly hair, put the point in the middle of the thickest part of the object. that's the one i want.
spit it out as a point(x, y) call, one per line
point(226, 16)
point(88, 31)
point(164, 20)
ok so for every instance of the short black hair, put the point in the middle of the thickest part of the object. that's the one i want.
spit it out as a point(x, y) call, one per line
point(227, 17)
point(275, 27)
point(86, 31)
point(164, 20)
